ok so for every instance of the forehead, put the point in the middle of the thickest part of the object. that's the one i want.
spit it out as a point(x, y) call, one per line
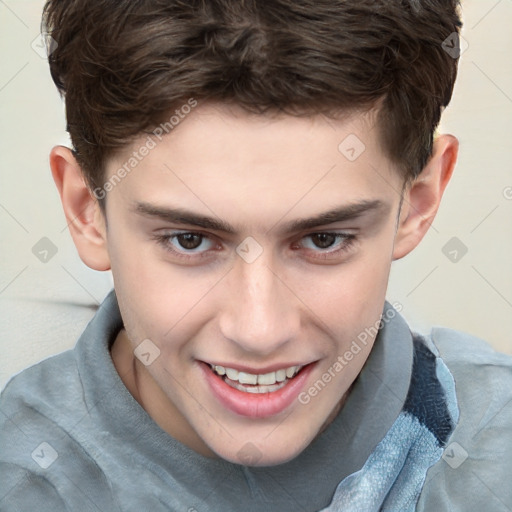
point(230, 127)
point(220, 155)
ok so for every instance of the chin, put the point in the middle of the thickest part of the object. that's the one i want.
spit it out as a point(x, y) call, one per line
point(258, 454)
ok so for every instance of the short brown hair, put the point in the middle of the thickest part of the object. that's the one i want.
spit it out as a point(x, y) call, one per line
point(123, 65)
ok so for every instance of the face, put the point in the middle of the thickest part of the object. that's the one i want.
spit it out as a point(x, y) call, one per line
point(251, 251)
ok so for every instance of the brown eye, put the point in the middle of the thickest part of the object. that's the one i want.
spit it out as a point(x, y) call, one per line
point(327, 245)
point(323, 240)
point(189, 240)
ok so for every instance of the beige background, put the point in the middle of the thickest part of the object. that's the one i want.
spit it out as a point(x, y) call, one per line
point(45, 306)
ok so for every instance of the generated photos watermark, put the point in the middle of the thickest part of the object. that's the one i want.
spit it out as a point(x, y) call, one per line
point(368, 334)
point(150, 143)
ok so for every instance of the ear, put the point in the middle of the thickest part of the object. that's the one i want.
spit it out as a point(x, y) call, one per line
point(85, 218)
point(422, 197)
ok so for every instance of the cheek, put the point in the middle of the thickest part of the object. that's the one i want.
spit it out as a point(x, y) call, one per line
point(354, 284)
point(367, 286)
point(158, 300)
point(349, 298)
point(142, 285)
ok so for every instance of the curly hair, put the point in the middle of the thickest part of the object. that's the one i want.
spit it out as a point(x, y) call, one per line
point(124, 65)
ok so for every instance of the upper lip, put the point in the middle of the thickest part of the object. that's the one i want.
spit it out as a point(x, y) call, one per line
point(257, 371)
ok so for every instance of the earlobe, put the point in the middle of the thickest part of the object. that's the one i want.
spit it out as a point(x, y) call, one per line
point(422, 197)
point(83, 214)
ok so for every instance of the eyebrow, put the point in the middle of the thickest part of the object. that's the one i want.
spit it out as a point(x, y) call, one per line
point(187, 217)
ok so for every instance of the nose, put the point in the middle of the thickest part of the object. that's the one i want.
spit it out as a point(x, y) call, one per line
point(262, 314)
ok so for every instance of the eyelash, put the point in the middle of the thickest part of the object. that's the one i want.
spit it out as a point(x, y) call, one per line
point(164, 240)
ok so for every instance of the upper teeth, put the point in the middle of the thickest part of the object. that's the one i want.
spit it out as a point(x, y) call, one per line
point(266, 379)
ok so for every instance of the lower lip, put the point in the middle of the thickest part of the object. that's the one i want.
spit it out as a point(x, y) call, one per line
point(256, 405)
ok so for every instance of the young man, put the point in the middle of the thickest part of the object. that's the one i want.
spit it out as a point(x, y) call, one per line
point(249, 171)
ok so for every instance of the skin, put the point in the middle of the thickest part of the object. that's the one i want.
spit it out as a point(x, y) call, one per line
point(296, 303)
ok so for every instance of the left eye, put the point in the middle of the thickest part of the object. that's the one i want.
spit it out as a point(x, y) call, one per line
point(326, 240)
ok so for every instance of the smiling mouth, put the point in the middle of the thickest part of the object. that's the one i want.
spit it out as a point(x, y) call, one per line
point(256, 383)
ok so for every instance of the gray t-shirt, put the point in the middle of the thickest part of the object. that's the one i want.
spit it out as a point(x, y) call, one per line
point(73, 438)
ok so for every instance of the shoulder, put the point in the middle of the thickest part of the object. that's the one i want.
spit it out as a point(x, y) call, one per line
point(34, 405)
point(482, 375)
point(477, 368)
point(43, 462)
point(460, 349)
point(41, 387)
point(478, 455)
